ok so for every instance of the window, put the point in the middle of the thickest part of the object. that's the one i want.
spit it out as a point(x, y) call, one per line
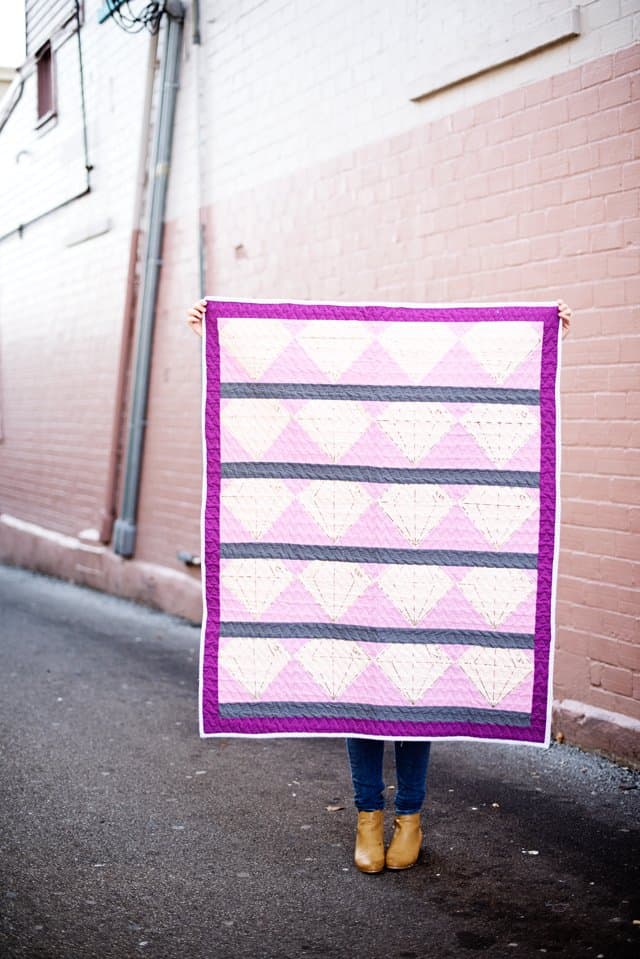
point(44, 67)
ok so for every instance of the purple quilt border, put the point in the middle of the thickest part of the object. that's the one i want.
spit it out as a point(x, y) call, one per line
point(211, 723)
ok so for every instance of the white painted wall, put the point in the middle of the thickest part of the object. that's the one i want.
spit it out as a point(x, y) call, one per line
point(40, 167)
point(291, 82)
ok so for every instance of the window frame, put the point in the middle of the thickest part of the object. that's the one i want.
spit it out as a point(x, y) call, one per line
point(45, 52)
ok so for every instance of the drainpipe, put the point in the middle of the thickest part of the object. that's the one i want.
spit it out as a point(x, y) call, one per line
point(200, 85)
point(125, 527)
point(108, 515)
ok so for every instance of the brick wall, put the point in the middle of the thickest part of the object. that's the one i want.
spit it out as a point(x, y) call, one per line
point(63, 282)
point(297, 139)
point(532, 194)
point(287, 84)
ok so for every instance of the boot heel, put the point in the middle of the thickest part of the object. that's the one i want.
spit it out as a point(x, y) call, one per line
point(404, 848)
point(369, 851)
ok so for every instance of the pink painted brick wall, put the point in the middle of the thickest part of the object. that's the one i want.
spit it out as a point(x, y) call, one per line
point(61, 303)
point(529, 195)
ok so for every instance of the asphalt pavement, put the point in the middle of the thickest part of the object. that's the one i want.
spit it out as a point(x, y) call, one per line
point(124, 834)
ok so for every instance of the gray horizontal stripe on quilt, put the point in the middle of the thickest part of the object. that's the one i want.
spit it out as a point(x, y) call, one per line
point(416, 714)
point(379, 634)
point(393, 394)
point(374, 554)
point(380, 474)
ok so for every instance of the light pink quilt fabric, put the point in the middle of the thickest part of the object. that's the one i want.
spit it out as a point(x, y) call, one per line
point(379, 520)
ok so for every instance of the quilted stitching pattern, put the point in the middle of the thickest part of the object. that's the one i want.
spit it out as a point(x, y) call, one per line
point(379, 519)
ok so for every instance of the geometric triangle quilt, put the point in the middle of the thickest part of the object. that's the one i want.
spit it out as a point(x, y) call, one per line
point(379, 519)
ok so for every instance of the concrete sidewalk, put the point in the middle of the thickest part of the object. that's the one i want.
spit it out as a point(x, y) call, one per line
point(124, 834)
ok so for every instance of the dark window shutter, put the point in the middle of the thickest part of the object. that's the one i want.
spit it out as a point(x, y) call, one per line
point(45, 81)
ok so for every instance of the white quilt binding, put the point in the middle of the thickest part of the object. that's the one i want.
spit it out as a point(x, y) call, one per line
point(329, 735)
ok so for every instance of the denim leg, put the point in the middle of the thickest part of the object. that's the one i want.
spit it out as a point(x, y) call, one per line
point(412, 762)
point(366, 756)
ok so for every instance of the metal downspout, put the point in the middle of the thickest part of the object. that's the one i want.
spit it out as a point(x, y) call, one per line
point(200, 65)
point(125, 526)
point(109, 509)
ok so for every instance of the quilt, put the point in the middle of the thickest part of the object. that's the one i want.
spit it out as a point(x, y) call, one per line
point(379, 519)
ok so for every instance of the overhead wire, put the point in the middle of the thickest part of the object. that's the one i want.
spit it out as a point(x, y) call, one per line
point(149, 17)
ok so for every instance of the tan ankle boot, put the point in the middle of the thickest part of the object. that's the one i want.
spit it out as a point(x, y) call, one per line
point(404, 847)
point(369, 852)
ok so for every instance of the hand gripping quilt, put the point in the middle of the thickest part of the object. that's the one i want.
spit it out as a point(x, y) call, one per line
point(379, 519)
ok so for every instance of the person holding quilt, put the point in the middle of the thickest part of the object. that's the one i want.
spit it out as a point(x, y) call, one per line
point(366, 759)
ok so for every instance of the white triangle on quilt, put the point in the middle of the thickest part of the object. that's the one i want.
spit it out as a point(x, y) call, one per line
point(334, 345)
point(500, 429)
point(333, 663)
point(412, 668)
point(254, 342)
point(500, 348)
point(415, 428)
point(498, 511)
point(256, 583)
point(496, 593)
point(335, 586)
point(256, 503)
point(335, 505)
point(416, 347)
point(495, 672)
point(255, 424)
point(414, 590)
point(415, 509)
point(334, 425)
point(253, 661)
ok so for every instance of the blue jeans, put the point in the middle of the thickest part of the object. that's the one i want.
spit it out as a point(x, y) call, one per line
point(412, 761)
